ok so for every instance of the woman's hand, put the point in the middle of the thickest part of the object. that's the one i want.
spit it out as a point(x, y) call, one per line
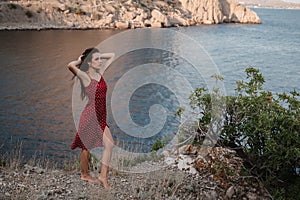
point(74, 65)
point(80, 58)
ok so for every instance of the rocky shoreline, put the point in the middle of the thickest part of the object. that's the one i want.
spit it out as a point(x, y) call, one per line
point(216, 176)
point(121, 14)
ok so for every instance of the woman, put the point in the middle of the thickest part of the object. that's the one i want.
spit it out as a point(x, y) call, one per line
point(93, 131)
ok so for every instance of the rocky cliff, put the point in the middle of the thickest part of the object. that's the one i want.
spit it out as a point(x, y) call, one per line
point(122, 14)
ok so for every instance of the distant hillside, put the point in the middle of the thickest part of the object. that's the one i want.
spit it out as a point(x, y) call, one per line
point(270, 4)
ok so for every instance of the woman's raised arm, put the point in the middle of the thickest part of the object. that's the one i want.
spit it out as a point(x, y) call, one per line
point(74, 65)
point(74, 68)
point(110, 57)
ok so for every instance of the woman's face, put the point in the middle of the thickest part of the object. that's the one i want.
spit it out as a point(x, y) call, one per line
point(97, 62)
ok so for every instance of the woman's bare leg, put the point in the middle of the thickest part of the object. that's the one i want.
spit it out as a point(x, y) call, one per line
point(108, 144)
point(84, 162)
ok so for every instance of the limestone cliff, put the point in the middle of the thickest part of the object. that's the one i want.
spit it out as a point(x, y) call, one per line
point(84, 14)
point(218, 11)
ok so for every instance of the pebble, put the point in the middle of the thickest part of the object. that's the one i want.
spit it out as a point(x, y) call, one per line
point(230, 192)
point(158, 184)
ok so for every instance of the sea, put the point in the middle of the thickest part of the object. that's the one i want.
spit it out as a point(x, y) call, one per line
point(145, 82)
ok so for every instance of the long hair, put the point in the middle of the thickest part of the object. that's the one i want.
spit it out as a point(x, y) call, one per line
point(87, 56)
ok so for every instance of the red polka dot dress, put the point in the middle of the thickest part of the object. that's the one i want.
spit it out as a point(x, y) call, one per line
point(93, 118)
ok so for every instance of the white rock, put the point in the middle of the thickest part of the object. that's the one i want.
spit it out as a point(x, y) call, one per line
point(208, 22)
point(156, 25)
point(230, 192)
point(122, 25)
point(160, 17)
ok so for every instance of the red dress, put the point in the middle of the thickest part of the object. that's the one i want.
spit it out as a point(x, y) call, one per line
point(93, 118)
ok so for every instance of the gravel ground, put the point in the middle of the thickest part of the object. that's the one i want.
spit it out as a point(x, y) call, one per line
point(28, 182)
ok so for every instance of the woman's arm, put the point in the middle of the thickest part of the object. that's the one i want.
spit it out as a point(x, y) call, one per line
point(110, 57)
point(73, 66)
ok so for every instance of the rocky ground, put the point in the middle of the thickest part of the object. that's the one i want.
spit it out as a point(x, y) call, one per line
point(210, 180)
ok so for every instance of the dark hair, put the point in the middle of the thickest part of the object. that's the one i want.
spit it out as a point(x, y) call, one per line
point(87, 56)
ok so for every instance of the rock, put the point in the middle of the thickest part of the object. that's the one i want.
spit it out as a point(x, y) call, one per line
point(178, 21)
point(188, 150)
point(66, 12)
point(150, 14)
point(108, 19)
point(109, 8)
point(137, 24)
point(94, 16)
point(63, 7)
point(122, 25)
point(211, 195)
point(161, 3)
point(156, 25)
point(157, 16)
point(230, 192)
point(147, 23)
point(207, 22)
point(215, 10)
point(251, 196)
point(128, 16)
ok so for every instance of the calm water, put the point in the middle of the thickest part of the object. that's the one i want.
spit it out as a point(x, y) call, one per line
point(36, 87)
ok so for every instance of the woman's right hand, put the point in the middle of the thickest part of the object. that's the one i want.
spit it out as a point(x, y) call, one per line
point(74, 65)
point(80, 58)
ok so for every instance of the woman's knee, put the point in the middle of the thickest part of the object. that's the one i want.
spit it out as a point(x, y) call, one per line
point(108, 140)
point(109, 144)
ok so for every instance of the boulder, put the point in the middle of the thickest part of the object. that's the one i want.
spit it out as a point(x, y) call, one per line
point(161, 4)
point(63, 7)
point(157, 16)
point(176, 20)
point(147, 23)
point(121, 25)
point(156, 25)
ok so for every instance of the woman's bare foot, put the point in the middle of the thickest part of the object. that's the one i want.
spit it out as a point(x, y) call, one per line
point(104, 182)
point(89, 178)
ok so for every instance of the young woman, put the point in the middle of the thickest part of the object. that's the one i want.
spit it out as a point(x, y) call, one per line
point(93, 131)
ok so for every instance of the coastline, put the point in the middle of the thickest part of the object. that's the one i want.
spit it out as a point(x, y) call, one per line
point(126, 14)
point(53, 15)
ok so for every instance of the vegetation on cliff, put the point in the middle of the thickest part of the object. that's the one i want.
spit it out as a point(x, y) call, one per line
point(263, 128)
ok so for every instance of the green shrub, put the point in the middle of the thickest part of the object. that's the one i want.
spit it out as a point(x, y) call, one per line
point(264, 128)
point(79, 11)
point(28, 14)
point(158, 144)
point(12, 6)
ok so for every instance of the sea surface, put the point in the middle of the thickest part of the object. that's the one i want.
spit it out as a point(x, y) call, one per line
point(37, 88)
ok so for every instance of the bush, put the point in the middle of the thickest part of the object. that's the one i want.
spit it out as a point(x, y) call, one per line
point(12, 6)
point(28, 14)
point(265, 130)
point(158, 144)
point(79, 11)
